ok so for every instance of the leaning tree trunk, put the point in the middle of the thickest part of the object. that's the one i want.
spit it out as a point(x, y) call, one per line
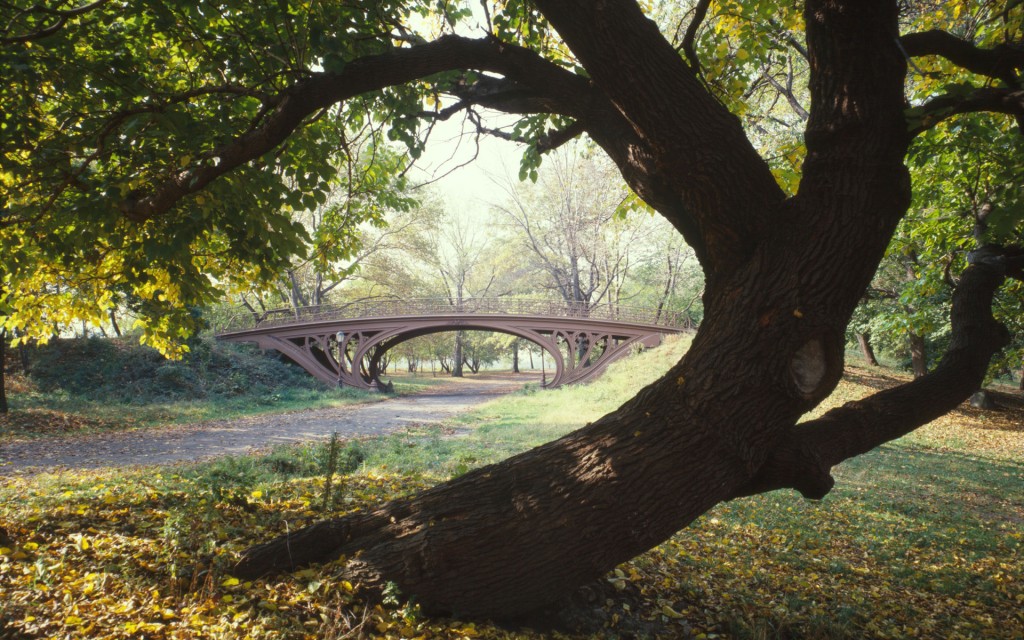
point(864, 340)
point(784, 275)
point(509, 538)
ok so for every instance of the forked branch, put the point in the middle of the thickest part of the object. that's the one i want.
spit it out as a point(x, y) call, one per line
point(803, 459)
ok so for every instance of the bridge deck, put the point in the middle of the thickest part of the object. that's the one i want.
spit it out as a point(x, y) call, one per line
point(434, 307)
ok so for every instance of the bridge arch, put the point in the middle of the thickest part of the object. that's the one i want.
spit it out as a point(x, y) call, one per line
point(333, 345)
point(394, 338)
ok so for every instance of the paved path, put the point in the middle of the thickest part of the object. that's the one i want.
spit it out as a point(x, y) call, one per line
point(194, 442)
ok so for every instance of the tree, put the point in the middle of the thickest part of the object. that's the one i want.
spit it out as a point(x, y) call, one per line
point(569, 227)
point(786, 261)
point(361, 216)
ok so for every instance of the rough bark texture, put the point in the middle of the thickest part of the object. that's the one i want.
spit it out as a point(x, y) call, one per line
point(784, 275)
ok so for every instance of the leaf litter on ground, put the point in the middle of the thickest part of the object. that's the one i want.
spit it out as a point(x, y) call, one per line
point(922, 538)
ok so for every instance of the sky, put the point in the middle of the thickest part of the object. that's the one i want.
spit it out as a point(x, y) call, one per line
point(473, 187)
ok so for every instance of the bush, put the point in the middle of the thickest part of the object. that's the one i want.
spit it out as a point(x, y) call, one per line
point(123, 371)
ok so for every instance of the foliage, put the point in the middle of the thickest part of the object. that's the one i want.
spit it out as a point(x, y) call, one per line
point(130, 94)
point(119, 554)
point(969, 188)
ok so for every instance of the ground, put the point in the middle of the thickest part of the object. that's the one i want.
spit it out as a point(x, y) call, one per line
point(190, 443)
point(921, 538)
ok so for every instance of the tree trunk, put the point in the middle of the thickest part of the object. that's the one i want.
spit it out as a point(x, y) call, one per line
point(864, 340)
point(23, 356)
point(515, 356)
point(458, 358)
point(509, 538)
point(113, 323)
point(918, 354)
point(3, 372)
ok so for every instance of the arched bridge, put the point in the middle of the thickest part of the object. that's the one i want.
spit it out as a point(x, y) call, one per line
point(343, 344)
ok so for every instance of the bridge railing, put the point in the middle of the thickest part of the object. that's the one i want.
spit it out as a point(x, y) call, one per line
point(247, 319)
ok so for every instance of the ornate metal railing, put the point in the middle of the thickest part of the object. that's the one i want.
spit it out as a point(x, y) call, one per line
point(247, 319)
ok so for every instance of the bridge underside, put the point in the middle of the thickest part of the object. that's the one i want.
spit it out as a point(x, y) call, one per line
point(580, 348)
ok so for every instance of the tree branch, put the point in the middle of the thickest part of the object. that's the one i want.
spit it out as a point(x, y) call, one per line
point(701, 148)
point(1003, 61)
point(699, 13)
point(321, 90)
point(61, 17)
point(985, 99)
point(806, 453)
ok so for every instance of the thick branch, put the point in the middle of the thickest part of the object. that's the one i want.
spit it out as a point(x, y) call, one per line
point(804, 457)
point(1003, 61)
point(986, 99)
point(371, 73)
point(700, 147)
point(531, 84)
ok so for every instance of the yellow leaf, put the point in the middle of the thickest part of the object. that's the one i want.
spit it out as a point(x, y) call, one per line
point(72, 621)
point(229, 582)
point(670, 612)
point(257, 494)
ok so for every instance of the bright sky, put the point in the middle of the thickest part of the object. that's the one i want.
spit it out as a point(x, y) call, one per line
point(470, 188)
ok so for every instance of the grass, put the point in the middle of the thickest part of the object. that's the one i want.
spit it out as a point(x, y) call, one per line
point(922, 538)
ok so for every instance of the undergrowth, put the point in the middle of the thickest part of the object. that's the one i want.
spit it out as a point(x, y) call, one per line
point(102, 384)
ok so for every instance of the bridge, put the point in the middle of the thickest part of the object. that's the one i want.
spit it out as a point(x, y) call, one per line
point(344, 344)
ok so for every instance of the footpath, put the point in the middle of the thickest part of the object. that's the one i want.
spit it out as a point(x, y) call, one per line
point(190, 443)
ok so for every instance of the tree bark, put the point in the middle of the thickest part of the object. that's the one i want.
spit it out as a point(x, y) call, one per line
point(918, 354)
point(113, 323)
point(864, 340)
point(512, 537)
point(515, 356)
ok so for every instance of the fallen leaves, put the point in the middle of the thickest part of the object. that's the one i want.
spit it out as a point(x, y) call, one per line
point(921, 539)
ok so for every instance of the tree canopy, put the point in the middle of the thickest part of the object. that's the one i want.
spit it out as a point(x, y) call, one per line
point(152, 153)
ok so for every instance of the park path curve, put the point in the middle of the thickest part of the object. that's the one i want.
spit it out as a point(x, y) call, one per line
point(191, 443)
